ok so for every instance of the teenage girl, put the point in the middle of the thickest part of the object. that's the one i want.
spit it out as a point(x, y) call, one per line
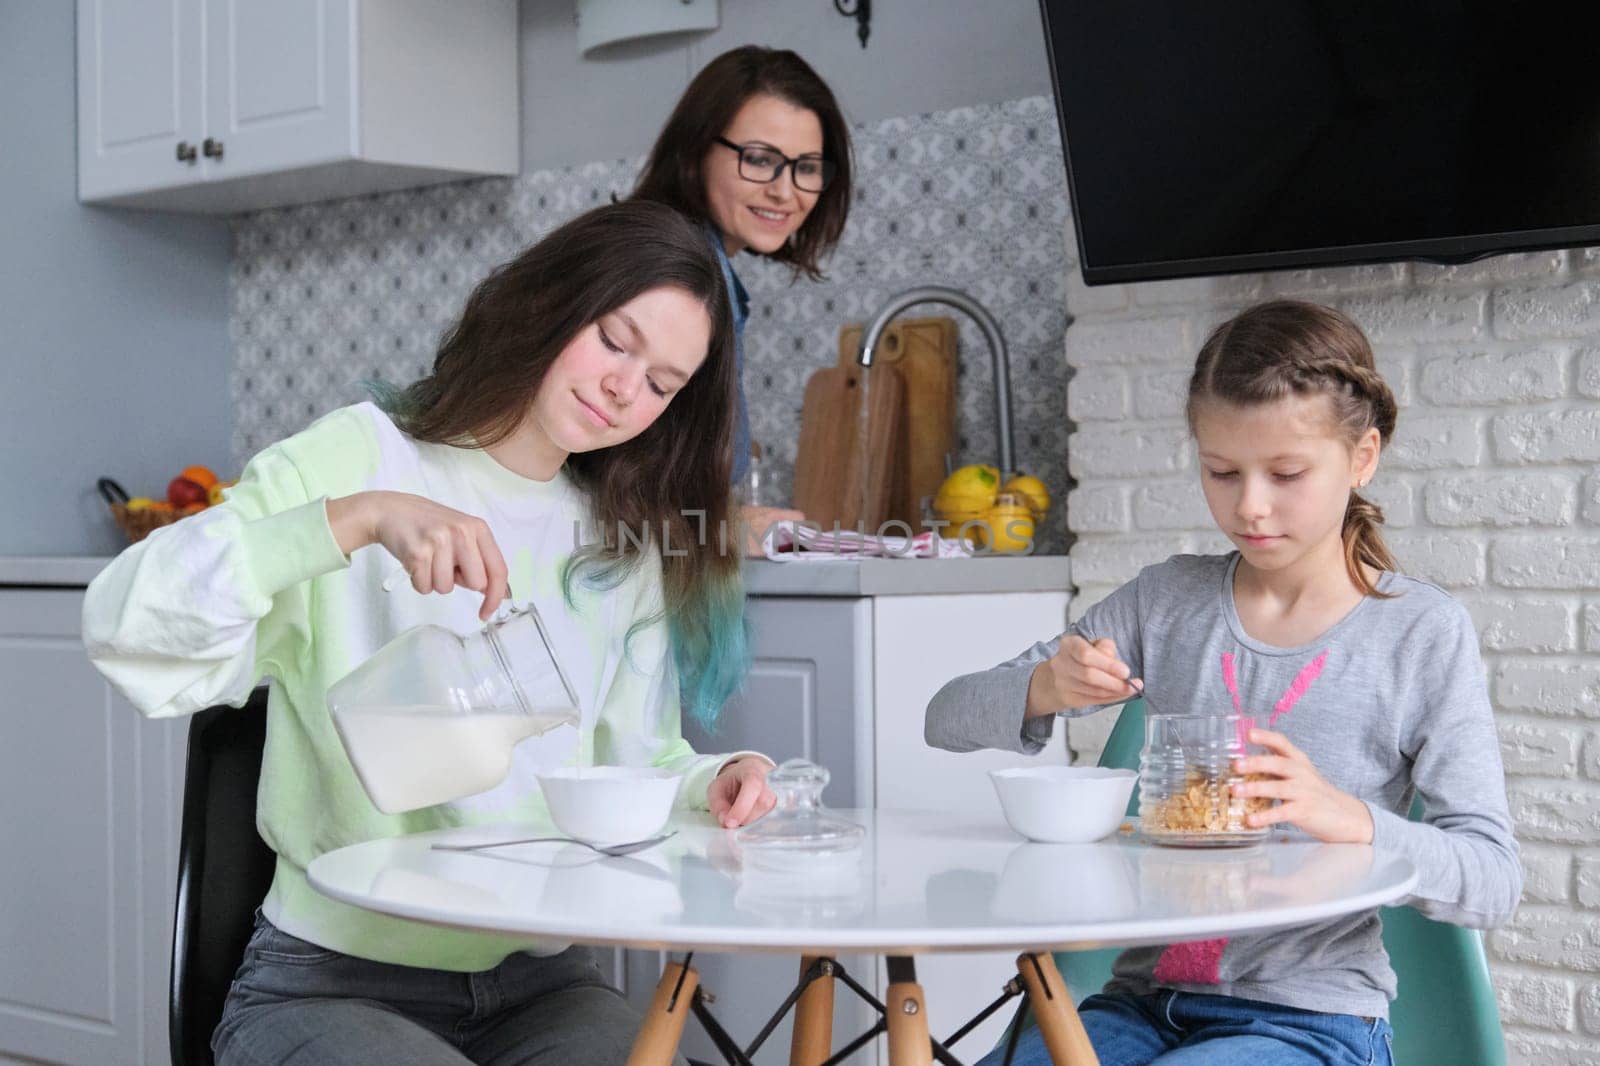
point(1289, 417)
point(758, 150)
point(587, 389)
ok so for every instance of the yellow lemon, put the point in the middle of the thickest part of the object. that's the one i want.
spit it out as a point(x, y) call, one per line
point(1008, 524)
point(959, 509)
point(966, 495)
point(976, 480)
point(139, 503)
point(1031, 489)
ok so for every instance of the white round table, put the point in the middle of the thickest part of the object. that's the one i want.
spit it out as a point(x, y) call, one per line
point(920, 882)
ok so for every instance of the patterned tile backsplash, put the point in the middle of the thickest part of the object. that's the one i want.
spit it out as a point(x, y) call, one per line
point(328, 294)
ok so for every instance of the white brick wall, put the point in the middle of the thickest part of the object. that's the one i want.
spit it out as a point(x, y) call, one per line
point(1491, 489)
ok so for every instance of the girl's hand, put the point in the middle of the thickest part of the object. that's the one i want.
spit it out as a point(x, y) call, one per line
point(1305, 799)
point(438, 546)
point(1080, 674)
point(738, 795)
point(755, 521)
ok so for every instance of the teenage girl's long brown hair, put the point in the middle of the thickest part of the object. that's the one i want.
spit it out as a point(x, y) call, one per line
point(675, 172)
point(673, 478)
point(1292, 348)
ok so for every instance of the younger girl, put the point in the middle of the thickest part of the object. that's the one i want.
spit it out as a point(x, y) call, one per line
point(758, 150)
point(1289, 417)
point(587, 390)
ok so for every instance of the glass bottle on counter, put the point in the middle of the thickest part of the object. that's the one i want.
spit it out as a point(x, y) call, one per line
point(756, 486)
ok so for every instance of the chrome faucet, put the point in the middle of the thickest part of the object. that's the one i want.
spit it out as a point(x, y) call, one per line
point(939, 294)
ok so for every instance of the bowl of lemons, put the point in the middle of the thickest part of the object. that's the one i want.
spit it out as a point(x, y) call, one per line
point(994, 514)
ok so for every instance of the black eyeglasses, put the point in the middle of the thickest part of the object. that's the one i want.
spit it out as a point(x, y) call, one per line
point(761, 164)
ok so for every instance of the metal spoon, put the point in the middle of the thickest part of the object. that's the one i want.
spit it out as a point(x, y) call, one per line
point(603, 849)
point(1139, 695)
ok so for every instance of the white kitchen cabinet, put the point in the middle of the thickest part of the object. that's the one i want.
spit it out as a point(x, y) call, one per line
point(221, 106)
point(91, 795)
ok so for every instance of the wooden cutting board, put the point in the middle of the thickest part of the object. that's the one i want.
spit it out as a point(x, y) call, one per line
point(924, 350)
point(835, 479)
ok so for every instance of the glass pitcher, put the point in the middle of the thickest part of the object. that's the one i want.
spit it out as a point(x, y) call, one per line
point(433, 715)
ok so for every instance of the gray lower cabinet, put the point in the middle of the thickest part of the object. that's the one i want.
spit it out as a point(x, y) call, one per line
point(90, 794)
point(809, 695)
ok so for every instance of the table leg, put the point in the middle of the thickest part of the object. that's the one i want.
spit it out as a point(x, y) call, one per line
point(906, 1016)
point(658, 1037)
point(812, 1040)
point(1058, 1019)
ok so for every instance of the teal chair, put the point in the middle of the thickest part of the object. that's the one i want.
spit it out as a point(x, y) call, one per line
point(1446, 1010)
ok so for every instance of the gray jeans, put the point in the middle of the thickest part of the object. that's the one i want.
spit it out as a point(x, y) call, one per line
point(295, 1002)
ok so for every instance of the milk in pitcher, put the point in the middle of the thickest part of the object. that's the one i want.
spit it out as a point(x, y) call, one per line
point(418, 756)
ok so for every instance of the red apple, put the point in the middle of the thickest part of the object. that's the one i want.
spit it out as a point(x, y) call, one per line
point(181, 492)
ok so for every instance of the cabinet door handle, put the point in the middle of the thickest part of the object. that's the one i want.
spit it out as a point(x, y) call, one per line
point(186, 153)
point(211, 147)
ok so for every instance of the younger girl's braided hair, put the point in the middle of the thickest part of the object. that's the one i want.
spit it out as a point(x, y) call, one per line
point(1288, 348)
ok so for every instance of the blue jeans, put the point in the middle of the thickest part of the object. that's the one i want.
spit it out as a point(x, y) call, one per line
point(1187, 1029)
point(296, 1002)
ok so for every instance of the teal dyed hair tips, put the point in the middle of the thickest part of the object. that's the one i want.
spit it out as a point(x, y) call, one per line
point(712, 658)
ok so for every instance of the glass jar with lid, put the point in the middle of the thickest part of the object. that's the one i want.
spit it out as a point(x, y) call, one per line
point(433, 715)
point(1187, 778)
point(799, 832)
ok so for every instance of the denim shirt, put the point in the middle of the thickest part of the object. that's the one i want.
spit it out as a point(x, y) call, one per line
point(739, 299)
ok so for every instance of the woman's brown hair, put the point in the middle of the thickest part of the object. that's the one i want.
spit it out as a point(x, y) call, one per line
point(675, 172)
point(1288, 348)
point(673, 477)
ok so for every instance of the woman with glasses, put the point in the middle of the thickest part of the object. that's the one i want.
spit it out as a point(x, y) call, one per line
point(758, 150)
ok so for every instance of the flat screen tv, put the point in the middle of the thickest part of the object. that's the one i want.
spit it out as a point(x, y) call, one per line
point(1222, 136)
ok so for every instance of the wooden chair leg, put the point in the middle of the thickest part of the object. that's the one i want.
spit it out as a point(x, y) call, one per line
point(907, 1017)
point(812, 1040)
point(658, 1037)
point(1059, 1024)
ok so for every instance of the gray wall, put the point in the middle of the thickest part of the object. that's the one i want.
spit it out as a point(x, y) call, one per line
point(114, 341)
point(923, 55)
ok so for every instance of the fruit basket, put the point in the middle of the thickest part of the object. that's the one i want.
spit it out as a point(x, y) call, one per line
point(189, 493)
point(138, 523)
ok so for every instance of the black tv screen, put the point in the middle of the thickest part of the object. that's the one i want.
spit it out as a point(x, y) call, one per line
point(1221, 136)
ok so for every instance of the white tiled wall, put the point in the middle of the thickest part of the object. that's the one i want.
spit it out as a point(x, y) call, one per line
point(1491, 489)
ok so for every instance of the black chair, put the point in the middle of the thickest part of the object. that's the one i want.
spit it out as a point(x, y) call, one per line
point(224, 870)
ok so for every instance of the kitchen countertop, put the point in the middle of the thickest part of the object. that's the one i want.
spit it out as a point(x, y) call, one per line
point(828, 577)
point(57, 571)
point(908, 577)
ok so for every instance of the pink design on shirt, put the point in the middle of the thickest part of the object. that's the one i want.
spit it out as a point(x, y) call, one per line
point(1197, 962)
point(1230, 677)
point(1297, 688)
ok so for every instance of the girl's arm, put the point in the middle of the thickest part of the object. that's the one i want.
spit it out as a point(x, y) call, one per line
point(180, 621)
point(1007, 707)
point(1464, 848)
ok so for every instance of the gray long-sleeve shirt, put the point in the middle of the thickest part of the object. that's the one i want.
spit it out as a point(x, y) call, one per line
point(1400, 708)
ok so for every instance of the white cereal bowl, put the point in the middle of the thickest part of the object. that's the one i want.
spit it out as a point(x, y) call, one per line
point(610, 804)
point(1064, 804)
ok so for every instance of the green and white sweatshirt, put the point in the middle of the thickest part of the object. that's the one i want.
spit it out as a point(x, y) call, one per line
point(202, 610)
